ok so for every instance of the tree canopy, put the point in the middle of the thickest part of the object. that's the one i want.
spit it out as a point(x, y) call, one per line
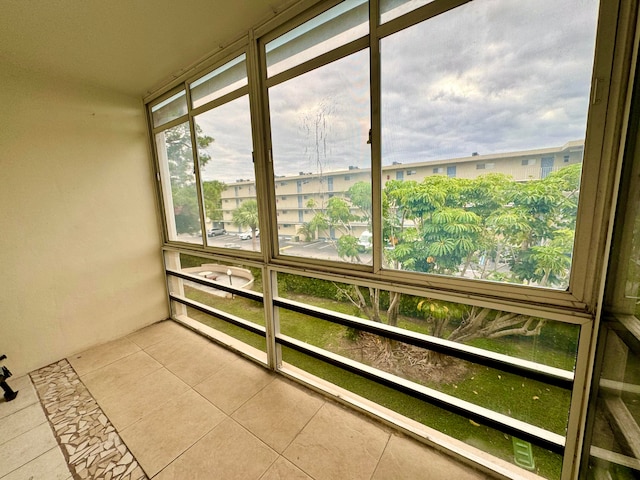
point(182, 174)
point(212, 196)
point(490, 227)
point(246, 215)
point(519, 232)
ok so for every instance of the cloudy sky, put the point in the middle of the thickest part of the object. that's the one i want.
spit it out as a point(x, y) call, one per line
point(231, 150)
point(491, 76)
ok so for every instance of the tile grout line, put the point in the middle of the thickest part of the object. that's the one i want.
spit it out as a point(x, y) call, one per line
point(109, 363)
point(386, 446)
point(56, 447)
point(89, 442)
point(324, 402)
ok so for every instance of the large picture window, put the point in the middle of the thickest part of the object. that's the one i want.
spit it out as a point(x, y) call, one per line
point(223, 132)
point(405, 203)
point(489, 83)
point(179, 181)
point(319, 128)
point(228, 178)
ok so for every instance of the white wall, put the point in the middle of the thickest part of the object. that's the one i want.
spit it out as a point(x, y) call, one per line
point(80, 256)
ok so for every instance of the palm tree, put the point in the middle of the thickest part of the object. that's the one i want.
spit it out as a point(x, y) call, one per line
point(246, 215)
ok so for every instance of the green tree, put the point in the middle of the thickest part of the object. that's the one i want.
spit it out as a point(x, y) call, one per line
point(308, 231)
point(185, 209)
point(212, 194)
point(338, 216)
point(540, 239)
point(443, 225)
point(347, 247)
point(182, 174)
point(246, 215)
point(359, 194)
point(435, 234)
point(317, 225)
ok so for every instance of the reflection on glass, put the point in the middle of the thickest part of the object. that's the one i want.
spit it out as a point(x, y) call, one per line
point(337, 26)
point(169, 109)
point(390, 9)
point(219, 82)
point(483, 112)
point(175, 156)
point(228, 178)
point(322, 161)
point(614, 450)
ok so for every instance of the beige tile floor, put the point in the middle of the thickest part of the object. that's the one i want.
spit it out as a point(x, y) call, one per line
point(28, 448)
point(189, 409)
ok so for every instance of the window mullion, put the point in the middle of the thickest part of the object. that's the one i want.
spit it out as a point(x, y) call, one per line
point(256, 71)
point(171, 124)
point(374, 136)
point(196, 168)
point(419, 15)
point(319, 61)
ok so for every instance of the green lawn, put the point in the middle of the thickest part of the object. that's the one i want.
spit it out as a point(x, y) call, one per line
point(520, 398)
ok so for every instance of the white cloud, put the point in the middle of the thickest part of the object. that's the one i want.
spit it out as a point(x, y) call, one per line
point(231, 151)
point(490, 76)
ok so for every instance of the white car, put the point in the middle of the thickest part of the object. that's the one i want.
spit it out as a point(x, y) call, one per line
point(247, 235)
point(365, 241)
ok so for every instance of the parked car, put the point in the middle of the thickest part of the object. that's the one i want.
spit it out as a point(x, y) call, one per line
point(247, 235)
point(216, 231)
point(365, 241)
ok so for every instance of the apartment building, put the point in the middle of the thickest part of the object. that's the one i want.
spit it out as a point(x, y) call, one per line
point(294, 193)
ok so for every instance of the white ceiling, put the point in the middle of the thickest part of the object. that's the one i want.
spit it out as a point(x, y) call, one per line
point(129, 46)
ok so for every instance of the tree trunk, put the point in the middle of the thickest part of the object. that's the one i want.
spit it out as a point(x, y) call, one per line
point(394, 308)
point(466, 265)
point(435, 358)
point(374, 298)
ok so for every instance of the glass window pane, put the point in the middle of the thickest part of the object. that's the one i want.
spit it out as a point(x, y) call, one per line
point(228, 178)
point(390, 9)
point(534, 339)
point(337, 26)
point(614, 450)
point(175, 158)
point(540, 340)
point(224, 273)
point(219, 82)
point(486, 106)
point(632, 284)
point(169, 109)
point(616, 416)
point(242, 276)
point(547, 406)
point(543, 462)
point(322, 161)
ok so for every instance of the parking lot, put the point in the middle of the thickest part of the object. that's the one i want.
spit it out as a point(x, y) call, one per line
point(319, 249)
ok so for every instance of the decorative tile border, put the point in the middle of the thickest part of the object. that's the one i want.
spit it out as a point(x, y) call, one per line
point(92, 447)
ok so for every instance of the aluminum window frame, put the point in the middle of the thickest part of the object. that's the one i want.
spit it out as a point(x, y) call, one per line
point(604, 137)
point(589, 232)
point(589, 243)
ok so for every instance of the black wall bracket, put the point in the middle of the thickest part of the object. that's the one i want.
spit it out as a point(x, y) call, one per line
point(9, 394)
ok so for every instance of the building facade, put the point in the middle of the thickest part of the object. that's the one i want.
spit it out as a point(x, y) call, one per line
point(299, 197)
